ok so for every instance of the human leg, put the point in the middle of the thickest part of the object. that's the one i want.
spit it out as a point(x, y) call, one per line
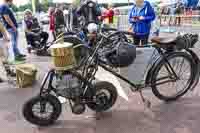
point(14, 41)
point(144, 40)
point(136, 40)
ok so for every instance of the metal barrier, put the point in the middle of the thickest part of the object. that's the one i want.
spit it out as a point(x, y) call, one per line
point(186, 20)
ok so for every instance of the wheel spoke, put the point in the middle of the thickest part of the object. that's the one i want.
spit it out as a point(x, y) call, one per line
point(182, 68)
point(47, 111)
point(162, 78)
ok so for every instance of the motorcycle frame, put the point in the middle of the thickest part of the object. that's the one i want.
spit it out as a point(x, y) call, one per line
point(138, 87)
point(150, 70)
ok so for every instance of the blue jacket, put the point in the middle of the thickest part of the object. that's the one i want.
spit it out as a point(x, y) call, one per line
point(142, 27)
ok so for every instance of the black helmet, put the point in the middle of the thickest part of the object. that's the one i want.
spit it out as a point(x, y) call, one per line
point(122, 55)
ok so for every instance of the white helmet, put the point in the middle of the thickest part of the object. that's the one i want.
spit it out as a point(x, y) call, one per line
point(92, 27)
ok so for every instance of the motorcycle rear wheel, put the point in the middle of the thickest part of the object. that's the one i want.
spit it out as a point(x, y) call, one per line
point(104, 101)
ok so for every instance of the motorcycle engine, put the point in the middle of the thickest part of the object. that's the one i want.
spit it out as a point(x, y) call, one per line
point(68, 86)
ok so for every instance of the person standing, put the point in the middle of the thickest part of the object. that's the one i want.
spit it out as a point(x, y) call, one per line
point(52, 21)
point(11, 25)
point(59, 20)
point(4, 39)
point(141, 16)
point(178, 12)
point(108, 15)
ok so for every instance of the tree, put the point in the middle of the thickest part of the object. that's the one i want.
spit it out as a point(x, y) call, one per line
point(14, 8)
point(45, 5)
point(24, 7)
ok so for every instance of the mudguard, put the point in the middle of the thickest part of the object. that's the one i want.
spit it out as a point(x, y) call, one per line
point(151, 70)
point(197, 61)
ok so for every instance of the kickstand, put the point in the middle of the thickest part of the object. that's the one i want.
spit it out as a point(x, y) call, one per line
point(146, 102)
point(96, 116)
point(147, 106)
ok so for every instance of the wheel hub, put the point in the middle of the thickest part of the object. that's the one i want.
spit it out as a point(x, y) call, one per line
point(102, 99)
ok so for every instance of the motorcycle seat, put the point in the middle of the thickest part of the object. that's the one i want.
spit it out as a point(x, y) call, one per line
point(164, 40)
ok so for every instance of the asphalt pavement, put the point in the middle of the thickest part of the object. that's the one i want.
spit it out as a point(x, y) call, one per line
point(129, 116)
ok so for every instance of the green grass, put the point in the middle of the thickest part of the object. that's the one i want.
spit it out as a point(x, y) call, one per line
point(196, 23)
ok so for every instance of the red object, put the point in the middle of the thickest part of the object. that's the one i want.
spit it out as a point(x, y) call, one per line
point(52, 22)
point(136, 17)
point(108, 14)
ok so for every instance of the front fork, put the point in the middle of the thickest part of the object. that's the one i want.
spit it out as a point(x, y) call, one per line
point(45, 91)
point(48, 78)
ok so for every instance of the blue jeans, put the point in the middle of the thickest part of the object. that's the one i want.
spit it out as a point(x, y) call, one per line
point(14, 41)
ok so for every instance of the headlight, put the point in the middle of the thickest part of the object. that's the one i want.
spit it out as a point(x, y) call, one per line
point(92, 28)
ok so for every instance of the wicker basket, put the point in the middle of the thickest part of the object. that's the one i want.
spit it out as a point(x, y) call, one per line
point(63, 56)
point(26, 75)
point(1, 52)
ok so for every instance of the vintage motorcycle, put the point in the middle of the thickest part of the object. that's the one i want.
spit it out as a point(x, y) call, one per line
point(81, 89)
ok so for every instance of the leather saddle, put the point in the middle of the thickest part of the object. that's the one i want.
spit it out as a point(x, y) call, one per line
point(164, 41)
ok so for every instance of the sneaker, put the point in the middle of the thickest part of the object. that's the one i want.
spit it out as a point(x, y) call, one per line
point(19, 58)
point(22, 55)
point(1, 80)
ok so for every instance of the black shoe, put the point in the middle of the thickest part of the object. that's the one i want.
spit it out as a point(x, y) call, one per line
point(1, 80)
point(22, 55)
point(19, 58)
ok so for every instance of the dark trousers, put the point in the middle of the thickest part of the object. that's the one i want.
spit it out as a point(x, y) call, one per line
point(178, 21)
point(54, 35)
point(141, 40)
point(42, 37)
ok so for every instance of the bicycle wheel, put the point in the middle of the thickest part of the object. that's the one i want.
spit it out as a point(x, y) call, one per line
point(172, 80)
point(197, 68)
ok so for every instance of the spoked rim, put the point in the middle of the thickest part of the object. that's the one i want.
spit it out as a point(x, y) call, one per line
point(172, 85)
point(42, 110)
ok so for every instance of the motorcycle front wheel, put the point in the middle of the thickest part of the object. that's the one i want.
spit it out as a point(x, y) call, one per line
point(42, 110)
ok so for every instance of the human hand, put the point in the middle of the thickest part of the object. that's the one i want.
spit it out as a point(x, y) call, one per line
point(141, 18)
point(15, 29)
point(135, 18)
point(130, 30)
